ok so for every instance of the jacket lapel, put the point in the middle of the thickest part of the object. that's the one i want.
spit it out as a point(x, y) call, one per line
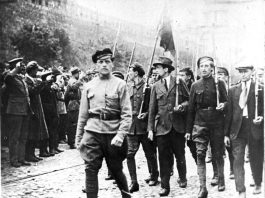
point(172, 84)
point(161, 86)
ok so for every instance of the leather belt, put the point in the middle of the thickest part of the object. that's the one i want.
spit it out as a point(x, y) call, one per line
point(104, 116)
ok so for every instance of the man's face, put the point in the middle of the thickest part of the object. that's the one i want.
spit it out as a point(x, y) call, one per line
point(131, 74)
point(105, 65)
point(222, 76)
point(184, 76)
point(245, 74)
point(205, 68)
point(161, 71)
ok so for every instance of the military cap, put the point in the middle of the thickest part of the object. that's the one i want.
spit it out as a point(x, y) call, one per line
point(102, 53)
point(245, 67)
point(204, 59)
point(222, 70)
point(74, 70)
point(33, 65)
point(12, 63)
point(118, 74)
point(56, 71)
point(165, 62)
point(139, 68)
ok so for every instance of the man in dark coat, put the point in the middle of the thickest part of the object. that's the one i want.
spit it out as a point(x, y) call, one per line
point(167, 122)
point(18, 111)
point(38, 132)
point(205, 121)
point(242, 127)
point(138, 131)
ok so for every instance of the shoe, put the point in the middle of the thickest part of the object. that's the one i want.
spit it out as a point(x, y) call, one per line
point(257, 189)
point(83, 189)
point(164, 192)
point(252, 183)
point(153, 182)
point(72, 147)
point(62, 142)
point(134, 187)
point(58, 150)
point(53, 152)
point(44, 154)
point(242, 195)
point(203, 192)
point(147, 180)
point(38, 158)
point(182, 183)
point(31, 159)
point(231, 176)
point(214, 181)
point(15, 164)
point(109, 177)
point(24, 163)
point(221, 184)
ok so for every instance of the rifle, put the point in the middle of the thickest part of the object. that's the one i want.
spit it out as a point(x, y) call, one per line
point(256, 95)
point(177, 86)
point(147, 89)
point(216, 85)
point(116, 40)
point(130, 62)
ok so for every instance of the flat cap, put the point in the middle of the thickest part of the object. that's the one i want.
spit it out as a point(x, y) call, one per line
point(245, 67)
point(102, 53)
point(204, 59)
point(118, 74)
point(74, 70)
point(12, 63)
point(222, 70)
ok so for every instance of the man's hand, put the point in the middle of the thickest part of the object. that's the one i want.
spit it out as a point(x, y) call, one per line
point(151, 135)
point(227, 141)
point(178, 109)
point(116, 141)
point(187, 136)
point(142, 116)
point(220, 107)
point(258, 120)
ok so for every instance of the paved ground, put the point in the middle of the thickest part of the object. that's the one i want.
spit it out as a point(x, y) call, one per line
point(62, 176)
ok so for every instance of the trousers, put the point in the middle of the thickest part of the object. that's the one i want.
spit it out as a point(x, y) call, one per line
point(93, 148)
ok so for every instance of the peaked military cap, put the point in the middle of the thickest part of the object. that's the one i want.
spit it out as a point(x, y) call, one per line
point(222, 70)
point(102, 53)
point(14, 61)
point(118, 74)
point(245, 67)
point(74, 70)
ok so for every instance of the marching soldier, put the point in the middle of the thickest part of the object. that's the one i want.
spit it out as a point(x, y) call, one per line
point(168, 123)
point(104, 120)
point(205, 121)
point(138, 131)
point(242, 126)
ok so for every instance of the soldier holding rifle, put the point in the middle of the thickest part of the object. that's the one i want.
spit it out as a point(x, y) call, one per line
point(138, 131)
point(167, 122)
point(205, 121)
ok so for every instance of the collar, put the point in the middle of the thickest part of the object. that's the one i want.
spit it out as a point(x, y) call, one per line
point(139, 84)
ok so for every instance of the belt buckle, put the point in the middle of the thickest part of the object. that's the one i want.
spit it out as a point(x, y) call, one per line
point(102, 116)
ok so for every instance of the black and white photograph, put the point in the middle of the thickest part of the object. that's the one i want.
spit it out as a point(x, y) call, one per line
point(132, 98)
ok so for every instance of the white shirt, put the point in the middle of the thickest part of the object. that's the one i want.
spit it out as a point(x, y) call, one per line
point(168, 81)
point(247, 83)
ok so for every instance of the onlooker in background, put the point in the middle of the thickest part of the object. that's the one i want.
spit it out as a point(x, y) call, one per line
point(38, 132)
point(61, 108)
point(72, 99)
point(18, 110)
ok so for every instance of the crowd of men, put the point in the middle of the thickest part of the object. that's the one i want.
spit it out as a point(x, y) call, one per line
point(161, 111)
point(39, 109)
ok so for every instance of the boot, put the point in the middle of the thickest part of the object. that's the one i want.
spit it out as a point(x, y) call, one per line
point(214, 181)
point(221, 184)
point(91, 184)
point(134, 187)
point(203, 192)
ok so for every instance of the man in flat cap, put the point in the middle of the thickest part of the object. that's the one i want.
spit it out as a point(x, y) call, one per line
point(138, 131)
point(104, 119)
point(243, 127)
point(38, 132)
point(205, 121)
point(18, 111)
point(167, 122)
point(72, 100)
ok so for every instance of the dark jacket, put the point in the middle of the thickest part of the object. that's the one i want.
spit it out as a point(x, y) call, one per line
point(203, 96)
point(136, 97)
point(18, 97)
point(49, 102)
point(161, 116)
point(37, 125)
point(235, 113)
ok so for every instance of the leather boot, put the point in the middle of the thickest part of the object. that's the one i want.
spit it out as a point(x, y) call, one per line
point(121, 181)
point(134, 187)
point(91, 184)
point(214, 180)
point(203, 192)
point(132, 169)
point(201, 168)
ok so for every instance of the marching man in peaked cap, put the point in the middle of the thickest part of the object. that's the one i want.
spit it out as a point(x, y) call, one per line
point(205, 121)
point(242, 127)
point(104, 119)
